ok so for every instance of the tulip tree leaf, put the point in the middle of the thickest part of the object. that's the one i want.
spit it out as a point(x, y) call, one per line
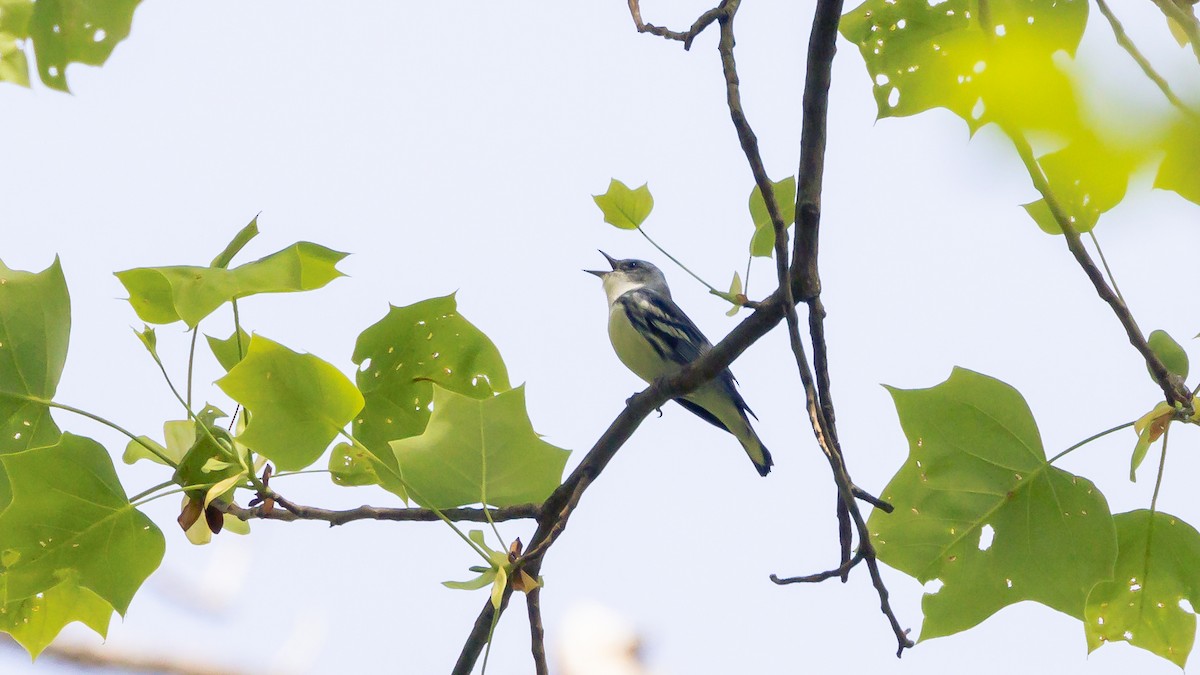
point(984, 66)
point(479, 451)
point(1180, 169)
point(400, 358)
point(36, 620)
point(185, 293)
point(763, 243)
point(351, 465)
point(975, 467)
point(1169, 352)
point(69, 514)
point(1087, 179)
point(35, 326)
point(297, 402)
point(230, 350)
point(76, 31)
point(1158, 565)
point(625, 208)
point(14, 29)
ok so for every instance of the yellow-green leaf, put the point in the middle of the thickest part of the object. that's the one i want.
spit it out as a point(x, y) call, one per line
point(478, 451)
point(625, 208)
point(297, 402)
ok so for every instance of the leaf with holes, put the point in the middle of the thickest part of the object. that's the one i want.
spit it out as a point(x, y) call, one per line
point(625, 208)
point(187, 293)
point(762, 244)
point(1087, 178)
point(14, 30)
point(976, 466)
point(69, 515)
point(35, 327)
point(984, 65)
point(1158, 566)
point(36, 620)
point(478, 451)
point(400, 358)
point(76, 31)
point(297, 402)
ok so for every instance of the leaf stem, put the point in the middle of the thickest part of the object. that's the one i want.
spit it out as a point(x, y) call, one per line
point(112, 425)
point(417, 496)
point(681, 265)
point(1127, 44)
point(151, 490)
point(1162, 462)
point(191, 362)
point(1104, 261)
point(1089, 439)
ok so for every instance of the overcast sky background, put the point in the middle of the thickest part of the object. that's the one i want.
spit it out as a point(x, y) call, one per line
point(455, 147)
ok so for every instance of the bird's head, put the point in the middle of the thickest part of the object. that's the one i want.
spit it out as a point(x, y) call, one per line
point(628, 275)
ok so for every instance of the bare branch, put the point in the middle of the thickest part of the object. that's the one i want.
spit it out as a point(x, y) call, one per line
point(1172, 386)
point(111, 658)
point(291, 512)
point(840, 571)
point(703, 21)
point(536, 633)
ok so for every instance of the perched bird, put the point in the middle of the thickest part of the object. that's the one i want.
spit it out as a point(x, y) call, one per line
point(653, 337)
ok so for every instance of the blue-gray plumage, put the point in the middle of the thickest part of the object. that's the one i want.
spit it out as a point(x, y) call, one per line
point(653, 337)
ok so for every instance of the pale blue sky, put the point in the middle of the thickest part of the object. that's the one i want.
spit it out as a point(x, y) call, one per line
point(456, 146)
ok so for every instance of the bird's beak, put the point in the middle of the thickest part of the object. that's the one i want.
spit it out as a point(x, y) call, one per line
point(611, 261)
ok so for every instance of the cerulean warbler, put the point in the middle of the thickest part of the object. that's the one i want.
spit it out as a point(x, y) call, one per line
point(653, 338)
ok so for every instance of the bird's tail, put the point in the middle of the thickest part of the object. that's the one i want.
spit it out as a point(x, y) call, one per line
point(755, 448)
point(728, 413)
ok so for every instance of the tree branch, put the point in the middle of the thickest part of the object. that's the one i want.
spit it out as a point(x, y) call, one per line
point(536, 633)
point(703, 21)
point(767, 314)
point(291, 512)
point(1173, 387)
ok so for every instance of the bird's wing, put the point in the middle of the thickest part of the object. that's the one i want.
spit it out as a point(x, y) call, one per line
point(674, 337)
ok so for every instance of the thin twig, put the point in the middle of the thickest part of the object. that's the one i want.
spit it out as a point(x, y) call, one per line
point(292, 512)
point(1127, 44)
point(703, 21)
point(1185, 20)
point(537, 634)
point(1172, 386)
point(840, 571)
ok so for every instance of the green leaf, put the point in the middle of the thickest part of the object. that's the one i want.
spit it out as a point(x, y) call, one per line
point(1088, 178)
point(401, 356)
point(14, 29)
point(735, 289)
point(1180, 168)
point(69, 514)
point(76, 31)
point(478, 451)
point(1169, 352)
point(762, 244)
point(149, 340)
point(231, 350)
point(985, 65)
point(1149, 428)
point(35, 326)
point(350, 466)
point(1158, 565)
point(180, 436)
point(165, 295)
point(975, 466)
point(235, 245)
point(625, 208)
point(297, 402)
point(36, 620)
